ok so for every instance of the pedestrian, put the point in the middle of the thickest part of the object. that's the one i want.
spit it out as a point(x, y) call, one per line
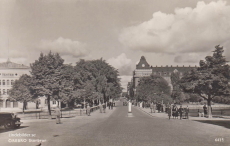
point(205, 110)
point(58, 115)
point(104, 107)
point(88, 109)
point(169, 111)
point(151, 107)
point(109, 105)
point(174, 111)
point(101, 107)
point(180, 111)
point(186, 112)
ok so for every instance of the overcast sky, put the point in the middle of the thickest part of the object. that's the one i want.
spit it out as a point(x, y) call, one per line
point(173, 32)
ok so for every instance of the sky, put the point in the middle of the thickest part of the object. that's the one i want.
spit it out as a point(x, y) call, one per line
point(174, 32)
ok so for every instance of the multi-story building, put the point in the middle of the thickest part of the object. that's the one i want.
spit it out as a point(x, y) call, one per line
point(144, 69)
point(9, 72)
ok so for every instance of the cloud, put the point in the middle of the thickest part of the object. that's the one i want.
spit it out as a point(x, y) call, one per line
point(190, 57)
point(122, 63)
point(186, 30)
point(64, 47)
point(124, 81)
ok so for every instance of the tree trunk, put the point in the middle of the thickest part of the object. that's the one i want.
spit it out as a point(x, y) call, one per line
point(48, 103)
point(23, 109)
point(209, 107)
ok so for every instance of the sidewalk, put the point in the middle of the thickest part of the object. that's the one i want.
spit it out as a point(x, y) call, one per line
point(165, 115)
point(94, 114)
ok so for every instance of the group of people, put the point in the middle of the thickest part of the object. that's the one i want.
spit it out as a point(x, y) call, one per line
point(175, 112)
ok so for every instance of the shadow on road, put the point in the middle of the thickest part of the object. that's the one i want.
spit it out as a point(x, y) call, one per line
point(216, 122)
point(2, 129)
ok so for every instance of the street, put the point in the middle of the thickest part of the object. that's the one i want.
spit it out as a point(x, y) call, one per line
point(115, 128)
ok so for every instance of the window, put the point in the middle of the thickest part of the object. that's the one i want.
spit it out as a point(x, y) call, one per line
point(7, 91)
point(12, 81)
point(0, 82)
point(46, 101)
point(54, 102)
point(3, 82)
point(7, 82)
point(4, 91)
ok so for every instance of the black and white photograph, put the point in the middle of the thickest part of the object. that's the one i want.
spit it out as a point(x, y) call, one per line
point(115, 72)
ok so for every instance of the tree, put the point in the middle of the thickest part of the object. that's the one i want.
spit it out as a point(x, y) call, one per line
point(210, 79)
point(153, 88)
point(46, 73)
point(98, 74)
point(66, 92)
point(176, 95)
point(21, 91)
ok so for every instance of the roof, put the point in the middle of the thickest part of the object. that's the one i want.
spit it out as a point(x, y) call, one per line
point(143, 64)
point(10, 64)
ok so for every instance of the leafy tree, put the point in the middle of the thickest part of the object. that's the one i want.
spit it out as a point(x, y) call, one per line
point(176, 95)
point(152, 88)
point(98, 74)
point(66, 92)
point(210, 79)
point(21, 91)
point(46, 73)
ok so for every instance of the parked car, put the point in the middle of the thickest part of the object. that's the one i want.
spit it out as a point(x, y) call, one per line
point(9, 120)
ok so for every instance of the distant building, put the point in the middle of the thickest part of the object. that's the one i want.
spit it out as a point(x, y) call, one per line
point(144, 69)
point(9, 72)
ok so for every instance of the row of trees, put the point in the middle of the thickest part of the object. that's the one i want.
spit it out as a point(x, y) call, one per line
point(50, 77)
point(209, 81)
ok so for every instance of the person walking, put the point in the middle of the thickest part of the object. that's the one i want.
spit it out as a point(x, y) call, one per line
point(88, 109)
point(205, 110)
point(169, 111)
point(151, 107)
point(101, 107)
point(109, 105)
point(58, 115)
point(186, 112)
point(180, 111)
point(104, 107)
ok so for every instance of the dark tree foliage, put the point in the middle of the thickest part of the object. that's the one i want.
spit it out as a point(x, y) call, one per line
point(210, 79)
point(153, 88)
point(21, 91)
point(176, 95)
point(66, 92)
point(100, 77)
point(46, 73)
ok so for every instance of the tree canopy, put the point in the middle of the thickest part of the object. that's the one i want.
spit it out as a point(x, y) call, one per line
point(210, 79)
point(153, 88)
point(21, 91)
point(46, 73)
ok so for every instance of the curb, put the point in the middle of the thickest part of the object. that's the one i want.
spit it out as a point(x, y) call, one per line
point(148, 113)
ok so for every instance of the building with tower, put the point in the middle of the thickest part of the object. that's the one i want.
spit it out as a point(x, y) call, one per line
point(144, 69)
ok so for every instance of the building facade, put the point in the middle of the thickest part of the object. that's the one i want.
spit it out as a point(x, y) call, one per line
point(9, 72)
point(144, 69)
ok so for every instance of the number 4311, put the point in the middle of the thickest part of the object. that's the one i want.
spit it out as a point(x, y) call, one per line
point(219, 139)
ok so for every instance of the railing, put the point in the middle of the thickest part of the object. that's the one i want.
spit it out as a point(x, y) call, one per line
point(64, 113)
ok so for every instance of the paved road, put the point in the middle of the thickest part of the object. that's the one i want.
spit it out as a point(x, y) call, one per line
point(115, 128)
